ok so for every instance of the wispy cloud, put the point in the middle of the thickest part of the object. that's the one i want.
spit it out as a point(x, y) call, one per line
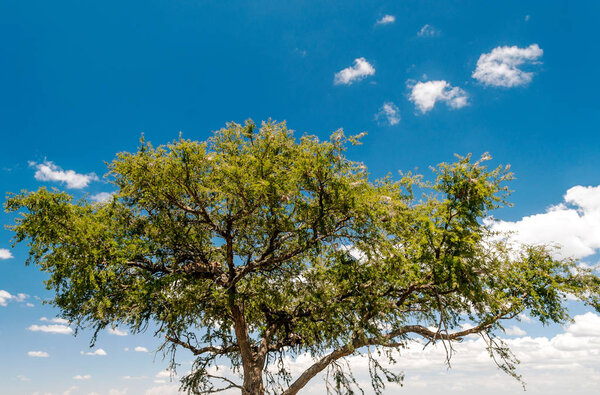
point(386, 20)
point(98, 352)
point(6, 297)
point(101, 197)
point(425, 94)
point(38, 354)
point(117, 332)
point(58, 329)
point(56, 320)
point(389, 113)
point(82, 377)
point(356, 72)
point(428, 31)
point(501, 67)
point(48, 171)
point(5, 254)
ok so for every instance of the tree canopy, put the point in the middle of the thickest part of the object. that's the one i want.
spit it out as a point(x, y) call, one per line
point(255, 245)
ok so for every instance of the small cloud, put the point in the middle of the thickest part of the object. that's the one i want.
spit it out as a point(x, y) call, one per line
point(388, 112)
point(357, 72)
point(38, 354)
point(501, 67)
point(98, 352)
point(165, 374)
point(525, 318)
point(428, 31)
point(386, 20)
point(48, 171)
point(515, 331)
point(527, 18)
point(59, 329)
point(126, 349)
point(56, 320)
point(29, 304)
point(117, 392)
point(134, 377)
point(117, 332)
point(5, 254)
point(22, 377)
point(425, 94)
point(84, 377)
point(101, 197)
point(140, 349)
point(6, 297)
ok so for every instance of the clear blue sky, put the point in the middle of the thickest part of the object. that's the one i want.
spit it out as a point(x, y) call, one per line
point(81, 80)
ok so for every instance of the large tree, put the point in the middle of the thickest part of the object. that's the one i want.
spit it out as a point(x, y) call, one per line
point(255, 245)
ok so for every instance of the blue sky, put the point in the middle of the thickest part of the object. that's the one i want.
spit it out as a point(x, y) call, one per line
point(80, 81)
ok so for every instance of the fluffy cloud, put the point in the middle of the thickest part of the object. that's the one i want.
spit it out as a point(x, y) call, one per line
point(427, 31)
point(99, 352)
point(565, 363)
point(140, 349)
point(84, 377)
point(166, 390)
point(357, 72)
point(117, 332)
point(386, 19)
point(6, 297)
point(5, 254)
point(515, 331)
point(501, 67)
point(60, 329)
point(574, 225)
point(101, 197)
point(425, 94)
point(388, 112)
point(38, 354)
point(48, 171)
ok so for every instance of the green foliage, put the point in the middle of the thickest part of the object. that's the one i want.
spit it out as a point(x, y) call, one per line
point(255, 244)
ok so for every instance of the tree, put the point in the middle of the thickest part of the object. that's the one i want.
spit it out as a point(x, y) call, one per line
point(254, 245)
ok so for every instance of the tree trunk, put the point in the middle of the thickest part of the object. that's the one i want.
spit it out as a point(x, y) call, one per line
point(253, 381)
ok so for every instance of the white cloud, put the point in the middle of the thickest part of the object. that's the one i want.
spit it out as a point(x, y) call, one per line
point(22, 377)
point(515, 331)
point(501, 66)
point(38, 354)
point(84, 377)
point(48, 171)
point(574, 225)
point(117, 392)
point(427, 31)
point(163, 374)
point(561, 364)
point(163, 390)
point(357, 72)
point(117, 332)
point(5, 254)
point(425, 94)
point(60, 329)
point(101, 197)
point(6, 297)
point(140, 349)
point(98, 352)
point(386, 19)
point(585, 325)
point(388, 112)
point(56, 320)
point(527, 18)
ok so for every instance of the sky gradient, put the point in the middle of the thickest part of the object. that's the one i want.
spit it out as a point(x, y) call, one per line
point(81, 81)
